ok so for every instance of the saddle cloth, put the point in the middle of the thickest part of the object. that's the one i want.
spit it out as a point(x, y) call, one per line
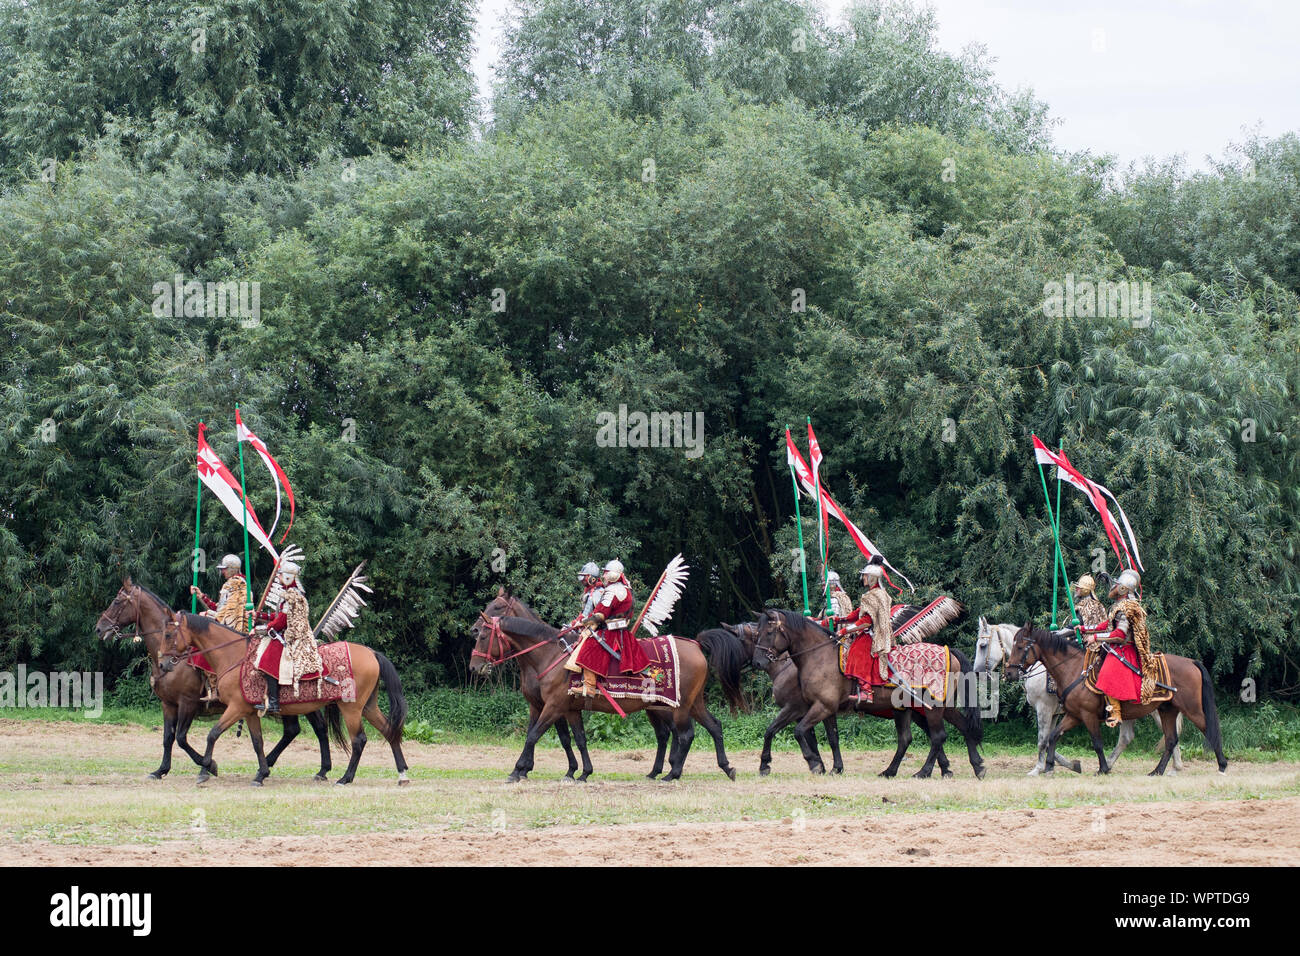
point(923, 666)
point(1093, 658)
point(660, 683)
point(338, 664)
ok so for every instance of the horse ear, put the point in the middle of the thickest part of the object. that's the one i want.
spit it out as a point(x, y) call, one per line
point(126, 581)
point(501, 590)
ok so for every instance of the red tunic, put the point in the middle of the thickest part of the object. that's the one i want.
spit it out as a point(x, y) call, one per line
point(1117, 680)
point(616, 604)
point(860, 663)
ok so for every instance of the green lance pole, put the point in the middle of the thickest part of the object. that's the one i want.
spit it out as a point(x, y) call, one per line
point(248, 570)
point(821, 534)
point(1065, 578)
point(1058, 567)
point(194, 558)
point(798, 523)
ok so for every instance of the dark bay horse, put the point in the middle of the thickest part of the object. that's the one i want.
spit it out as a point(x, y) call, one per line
point(540, 651)
point(1064, 660)
point(226, 649)
point(788, 695)
point(505, 604)
point(181, 689)
point(826, 690)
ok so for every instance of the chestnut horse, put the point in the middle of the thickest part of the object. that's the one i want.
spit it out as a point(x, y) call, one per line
point(225, 650)
point(788, 695)
point(181, 689)
point(541, 650)
point(721, 651)
point(825, 689)
point(1064, 660)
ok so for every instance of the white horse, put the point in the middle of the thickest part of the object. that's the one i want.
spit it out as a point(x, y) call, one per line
point(992, 647)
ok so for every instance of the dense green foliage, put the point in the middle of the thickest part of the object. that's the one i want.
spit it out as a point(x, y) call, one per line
point(444, 318)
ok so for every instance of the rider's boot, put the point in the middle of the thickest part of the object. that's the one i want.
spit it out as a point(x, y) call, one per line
point(589, 683)
point(272, 695)
point(1113, 717)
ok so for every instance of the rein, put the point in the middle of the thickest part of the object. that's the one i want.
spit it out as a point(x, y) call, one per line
point(496, 636)
point(768, 649)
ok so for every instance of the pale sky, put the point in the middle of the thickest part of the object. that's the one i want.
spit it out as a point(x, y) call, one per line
point(1137, 78)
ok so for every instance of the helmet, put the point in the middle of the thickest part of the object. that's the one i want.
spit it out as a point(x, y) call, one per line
point(289, 571)
point(1129, 581)
point(875, 567)
point(589, 570)
point(832, 579)
point(616, 566)
point(1085, 585)
point(229, 561)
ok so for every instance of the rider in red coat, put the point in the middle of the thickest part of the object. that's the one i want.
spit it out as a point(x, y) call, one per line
point(608, 630)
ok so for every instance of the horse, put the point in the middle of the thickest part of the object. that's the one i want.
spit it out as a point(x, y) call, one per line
point(993, 647)
point(505, 604)
point(789, 697)
point(518, 637)
point(826, 689)
point(181, 689)
point(1064, 660)
point(226, 649)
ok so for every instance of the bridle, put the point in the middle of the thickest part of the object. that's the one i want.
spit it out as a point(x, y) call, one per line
point(497, 640)
point(770, 649)
point(1024, 665)
point(187, 655)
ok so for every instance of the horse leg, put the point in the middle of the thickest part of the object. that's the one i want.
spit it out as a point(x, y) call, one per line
point(319, 724)
point(789, 713)
point(938, 734)
point(224, 723)
point(543, 723)
point(701, 713)
point(684, 728)
point(1178, 749)
point(1093, 723)
point(291, 729)
point(185, 713)
point(1168, 723)
point(803, 730)
point(1127, 732)
point(832, 726)
point(574, 719)
point(169, 735)
point(662, 726)
point(562, 731)
point(903, 728)
point(377, 720)
point(255, 736)
point(1045, 716)
point(1068, 722)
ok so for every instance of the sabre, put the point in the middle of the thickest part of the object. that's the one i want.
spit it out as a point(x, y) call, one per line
point(903, 684)
point(1115, 654)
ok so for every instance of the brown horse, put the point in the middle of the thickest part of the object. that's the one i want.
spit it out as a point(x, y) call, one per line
point(181, 689)
point(788, 695)
point(505, 604)
point(1064, 660)
point(541, 649)
point(225, 650)
point(825, 689)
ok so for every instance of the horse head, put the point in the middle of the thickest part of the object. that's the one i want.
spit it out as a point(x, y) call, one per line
point(1024, 652)
point(770, 639)
point(124, 610)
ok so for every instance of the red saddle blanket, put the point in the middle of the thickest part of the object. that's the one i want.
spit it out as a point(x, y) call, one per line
point(337, 658)
point(660, 683)
point(923, 666)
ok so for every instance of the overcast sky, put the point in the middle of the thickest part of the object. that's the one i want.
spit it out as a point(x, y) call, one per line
point(1130, 77)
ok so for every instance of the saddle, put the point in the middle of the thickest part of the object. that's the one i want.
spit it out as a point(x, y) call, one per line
point(1092, 661)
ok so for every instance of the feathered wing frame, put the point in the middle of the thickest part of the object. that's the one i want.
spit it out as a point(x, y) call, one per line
point(346, 606)
point(664, 597)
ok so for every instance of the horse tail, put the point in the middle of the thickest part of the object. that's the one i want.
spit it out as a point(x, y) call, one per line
point(397, 706)
point(969, 704)
point(334, 718)
point(726, 658)
point(1213, 734)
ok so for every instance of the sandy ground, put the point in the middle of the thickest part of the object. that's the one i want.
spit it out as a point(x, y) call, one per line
point(1181, 822)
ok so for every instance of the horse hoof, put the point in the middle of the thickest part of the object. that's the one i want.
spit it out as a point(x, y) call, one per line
point(403, 780)
point(922, 775)
point(256, 782)
point(1033, 773)
point(886, 774)
point(653, 775)
point(321, 778)
point(819, 769)
point(837, 770)
point(980, 774)
point(1076, 767)
point(155, 775)
point(516, 777)
point(731, 773)
point(342, 782)
point(764, 771)
point(948, 773)
point(203, 778)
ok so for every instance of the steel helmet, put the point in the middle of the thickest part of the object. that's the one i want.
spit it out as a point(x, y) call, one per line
point(589, 570)
point(616, 566)
point(1085, 585)
point(1129, 581)
point(229, 561)
point(289, 571)
point(832, 579)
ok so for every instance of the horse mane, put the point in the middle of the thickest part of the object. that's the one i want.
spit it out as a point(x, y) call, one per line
point(1054, 642)
point(203, 624)
point(156, 598)
point(795, 620)
point(537, 630)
